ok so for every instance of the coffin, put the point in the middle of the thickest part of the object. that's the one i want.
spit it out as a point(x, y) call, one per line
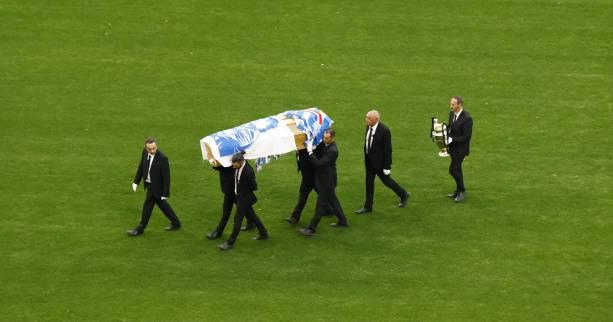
point(267, 137)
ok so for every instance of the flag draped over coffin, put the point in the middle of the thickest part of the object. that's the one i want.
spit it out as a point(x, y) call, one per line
point(267, 137)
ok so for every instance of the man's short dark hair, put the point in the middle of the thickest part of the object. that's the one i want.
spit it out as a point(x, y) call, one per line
point(459, 100)
point(331, 131)
point(238, 156)
point(150, 140)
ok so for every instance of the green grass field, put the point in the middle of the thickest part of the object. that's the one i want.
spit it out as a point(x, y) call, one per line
point(83, 83)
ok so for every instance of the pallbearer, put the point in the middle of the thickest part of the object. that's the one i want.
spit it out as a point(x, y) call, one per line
point(324, 159)
point(244, 186)
point(226, 182)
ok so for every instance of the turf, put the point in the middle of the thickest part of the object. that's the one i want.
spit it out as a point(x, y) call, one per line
point(83, 83)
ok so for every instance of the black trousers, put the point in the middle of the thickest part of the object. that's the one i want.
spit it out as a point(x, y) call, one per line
point(306, 186)
point(387, 181)
point(242, 211)
point(228, 203)
point(327, 199)
point(455, 170)
point(150, 201)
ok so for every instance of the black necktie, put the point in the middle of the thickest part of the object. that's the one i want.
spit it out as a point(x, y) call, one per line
point(455, 118)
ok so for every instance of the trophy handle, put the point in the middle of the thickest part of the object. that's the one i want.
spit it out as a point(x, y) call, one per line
point(445, 135)
point(432, 128)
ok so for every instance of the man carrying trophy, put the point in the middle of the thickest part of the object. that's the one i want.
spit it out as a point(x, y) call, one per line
point(459, 133)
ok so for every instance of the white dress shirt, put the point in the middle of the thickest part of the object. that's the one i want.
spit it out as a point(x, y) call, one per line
point(457, 115)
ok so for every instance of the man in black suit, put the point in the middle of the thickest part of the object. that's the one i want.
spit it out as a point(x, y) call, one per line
point(155, 171)
point(307, 184)
point(378, 161)
point(244, 186)
point(226, 183)
point(460, 131)
point(324, 160)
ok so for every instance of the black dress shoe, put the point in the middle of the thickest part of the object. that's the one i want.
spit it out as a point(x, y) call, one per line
point(452, 195)
point(404, 200)
point(213, 235)
point(248, 227)
point(225, 246)
point(459, 197)
point(134, 232)
point(339, 225)
point(363, 211)
point(306, 231)
point(292, 220)
point(172, 228)
point(260, 237)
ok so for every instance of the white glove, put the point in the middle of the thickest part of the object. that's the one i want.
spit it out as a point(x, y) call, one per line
point(164, 198)
point(387, 172)
point(449, 140)
point(134, 186)
point(309, 146)
point(212, 161)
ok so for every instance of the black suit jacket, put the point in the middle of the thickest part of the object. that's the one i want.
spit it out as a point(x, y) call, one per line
point(246, 186)
point(305, 166)
point(160, 173)
point(324, 159)
point(226, 178)
point(460, 132)
point(380, 155)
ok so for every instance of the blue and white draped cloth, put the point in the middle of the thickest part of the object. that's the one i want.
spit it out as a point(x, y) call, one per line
point(267, 138)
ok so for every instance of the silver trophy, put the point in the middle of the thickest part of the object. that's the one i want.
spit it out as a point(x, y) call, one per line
point(438, 134)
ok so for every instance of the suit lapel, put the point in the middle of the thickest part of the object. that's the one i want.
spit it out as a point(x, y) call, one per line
point(365, 136)
point(458, 121)
point(377, 136)
point(245, 174)
point(156, 162)
point(461, 118)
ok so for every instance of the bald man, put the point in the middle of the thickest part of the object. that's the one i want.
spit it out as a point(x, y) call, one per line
point(378, 162)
